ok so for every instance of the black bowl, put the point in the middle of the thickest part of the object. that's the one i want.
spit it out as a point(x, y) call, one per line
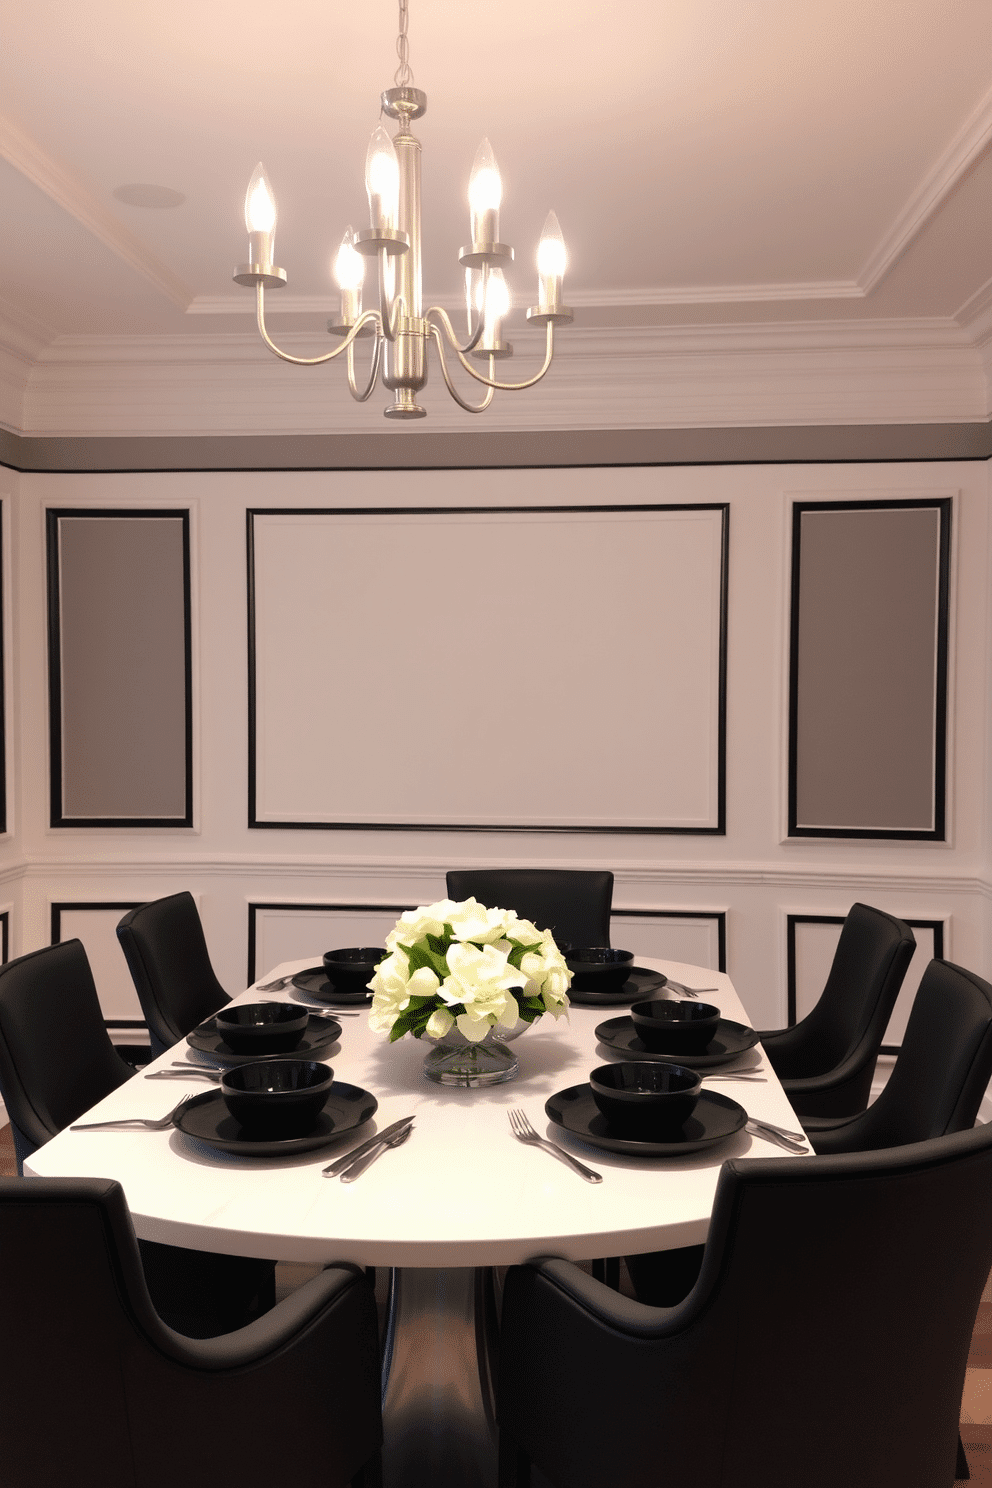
point(350, 971)
point(262, 1027)
point(675, 1027)
point(278, 1097)
point(598, 968)
point(645, 1097)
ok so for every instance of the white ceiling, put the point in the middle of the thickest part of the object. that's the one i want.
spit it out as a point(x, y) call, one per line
point(822, 168)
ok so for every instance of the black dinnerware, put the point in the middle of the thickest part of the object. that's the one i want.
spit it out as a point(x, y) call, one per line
point(262, 1027)
point(350, 970)
point(730, 1040)
point(714, 1118)
point(675, 1028)
point(206, 1117)
point(315, 983)
point(640, 982)
point(320, 1033)
point(598, 968)
point(277, 1097)
point(645, 1099)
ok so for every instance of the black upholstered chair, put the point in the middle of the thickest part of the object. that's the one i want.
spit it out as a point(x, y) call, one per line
point(573, 903)
point(167, 955)
point(95, 1389)
point(56, 1061)
point(826, 1061)
point(940, 1075)
point(825, 1341)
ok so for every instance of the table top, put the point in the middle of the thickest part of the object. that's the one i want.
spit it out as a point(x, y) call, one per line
point(460, 1192)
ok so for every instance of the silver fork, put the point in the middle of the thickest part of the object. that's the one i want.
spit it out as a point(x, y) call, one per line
point(688, 991)
point(139, 1123)
point(277, 985)
point(524, 1132)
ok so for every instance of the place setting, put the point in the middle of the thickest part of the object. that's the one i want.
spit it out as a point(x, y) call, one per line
point(255, 1030)
point(606, 977)
point(340, 982)
point(694, 1033)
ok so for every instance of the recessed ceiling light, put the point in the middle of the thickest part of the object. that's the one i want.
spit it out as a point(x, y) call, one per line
point(139, 194)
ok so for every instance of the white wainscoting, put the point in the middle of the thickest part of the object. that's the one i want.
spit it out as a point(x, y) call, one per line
point(752, 873)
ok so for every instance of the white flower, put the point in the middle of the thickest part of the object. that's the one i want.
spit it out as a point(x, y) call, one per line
point(471, 920)
point(423, 983)
point(390, 992)
point(439, 1022)
point(414, 924)
point(525, 932)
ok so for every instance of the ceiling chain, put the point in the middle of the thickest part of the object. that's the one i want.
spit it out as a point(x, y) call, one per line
point(404, 73)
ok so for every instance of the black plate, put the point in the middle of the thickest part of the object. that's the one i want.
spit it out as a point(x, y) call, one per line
point(731, 1039)
point(640, 983)
point(321, 1033)
point(315, 984)
point(206, 1117)
point(714, 1119)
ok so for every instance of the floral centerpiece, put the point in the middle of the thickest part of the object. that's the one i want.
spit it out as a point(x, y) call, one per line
point(467, 976)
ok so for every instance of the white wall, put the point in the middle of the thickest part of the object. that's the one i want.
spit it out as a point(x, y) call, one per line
point(752, 874)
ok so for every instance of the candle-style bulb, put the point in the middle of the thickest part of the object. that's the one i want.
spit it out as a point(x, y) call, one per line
point(485, 193)
point(260, 204)
point(551, 261)
point(497, 300)
point(260, 218)
point(382, 179)
point(349, 266)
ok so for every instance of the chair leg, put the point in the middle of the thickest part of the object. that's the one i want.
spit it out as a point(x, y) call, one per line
point(961, 1471)
point(514, 1464)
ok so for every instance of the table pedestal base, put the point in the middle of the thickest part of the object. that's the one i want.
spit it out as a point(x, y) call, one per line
point(438, 1378)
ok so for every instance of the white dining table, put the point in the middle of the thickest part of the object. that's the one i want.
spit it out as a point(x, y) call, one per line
point(460, 1197)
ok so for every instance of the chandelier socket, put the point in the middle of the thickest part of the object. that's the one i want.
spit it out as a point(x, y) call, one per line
point(369, 241)
point(477, 255)
point(255, 273)
point(337, 328)
point(497, 349)
point(561, 315)
point(404, 103)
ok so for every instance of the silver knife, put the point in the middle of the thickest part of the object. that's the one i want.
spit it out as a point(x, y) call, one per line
point(358, 1168)
point(340, 1163)
point(767, 1134)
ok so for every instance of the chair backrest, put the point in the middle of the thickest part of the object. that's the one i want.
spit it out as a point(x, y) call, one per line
point(824, 1343)
point(941, 1073)
point(138, 1405)
point(169, 962)
point(574, 904)
point(870, 962)
point(56, 1057)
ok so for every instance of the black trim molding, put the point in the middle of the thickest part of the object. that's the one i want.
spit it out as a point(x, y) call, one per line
point(53, 517)
point(718, 829)
point(943, 506)
point(792, 920)
point(94, 904)
point(253, 908)
point(719, 915)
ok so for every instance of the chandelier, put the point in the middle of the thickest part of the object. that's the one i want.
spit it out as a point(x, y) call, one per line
point(401, 328)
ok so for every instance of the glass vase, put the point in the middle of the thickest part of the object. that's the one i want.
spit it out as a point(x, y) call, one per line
point(455, 1060)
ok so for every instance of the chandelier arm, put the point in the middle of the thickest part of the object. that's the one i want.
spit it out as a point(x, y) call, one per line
point(512, 387)
point(360, 397)
point(369, 315)
point(468, 407)
point(449, 329)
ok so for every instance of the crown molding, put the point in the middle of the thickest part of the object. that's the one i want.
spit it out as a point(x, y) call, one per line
point(802, 373)
point(970, 142)
point(26, 156)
